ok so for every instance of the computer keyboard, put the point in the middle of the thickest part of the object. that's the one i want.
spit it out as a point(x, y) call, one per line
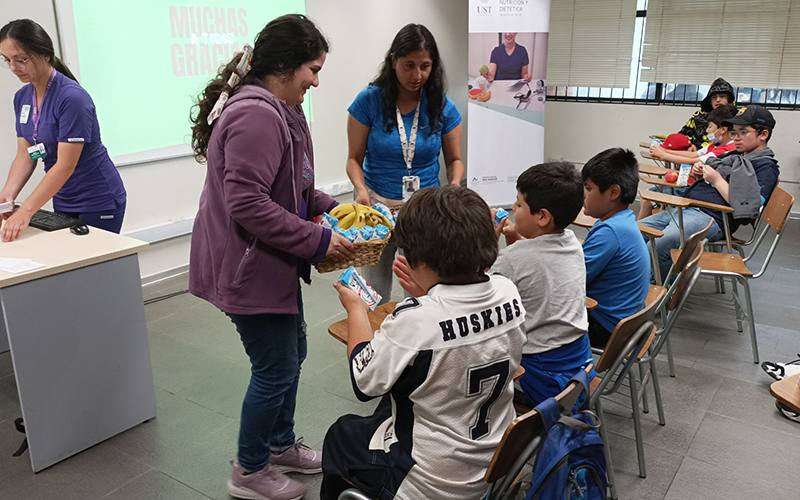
point(52, 221)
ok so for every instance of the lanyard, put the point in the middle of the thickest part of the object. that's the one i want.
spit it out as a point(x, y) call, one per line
point(410, 145)
point(35, 114)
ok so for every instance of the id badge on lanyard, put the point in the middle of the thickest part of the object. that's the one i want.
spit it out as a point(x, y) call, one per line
point(410, 182)
point(37, 151)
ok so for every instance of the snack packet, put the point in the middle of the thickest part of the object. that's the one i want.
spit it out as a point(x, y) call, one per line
point(346, 233)
point(382, 231)
point(328, 221)
point(351, 279)
point(366, 233)
point(383, 209)
point(500, 215)
point(683, 175)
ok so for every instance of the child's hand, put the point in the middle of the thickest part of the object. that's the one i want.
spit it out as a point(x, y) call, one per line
point(710, 175)
point(697, 169)
point(656, 151)
point(498, 228)
point(350, 299)
point(510, 231)
point(401, 270)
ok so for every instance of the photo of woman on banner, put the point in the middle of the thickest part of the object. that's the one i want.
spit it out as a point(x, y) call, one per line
point(509, 60)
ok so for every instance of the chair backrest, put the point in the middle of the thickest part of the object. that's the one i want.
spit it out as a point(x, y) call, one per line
point(689, 248)
point(688, 271)
point(523, 430)
point(623, 333)
point(777, 210)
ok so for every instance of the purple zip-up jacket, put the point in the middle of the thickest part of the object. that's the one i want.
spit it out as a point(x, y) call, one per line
point(249, 242)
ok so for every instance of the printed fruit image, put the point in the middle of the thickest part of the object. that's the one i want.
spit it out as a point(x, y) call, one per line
point(474, 93)
point(671, 176)
point(484, 70)
point(485, 96)
point(358, 216)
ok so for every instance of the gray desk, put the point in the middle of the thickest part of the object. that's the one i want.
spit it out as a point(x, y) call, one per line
point(78, 338)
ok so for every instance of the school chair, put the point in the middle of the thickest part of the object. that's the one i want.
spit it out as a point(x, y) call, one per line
point(653, 170)
point(631, 337)
point(521, 442)
point(353, 494)
point(734, 267)
point(675, 300)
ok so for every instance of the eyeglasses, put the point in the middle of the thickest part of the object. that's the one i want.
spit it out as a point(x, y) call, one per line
point(740, 133)
point(7, 63)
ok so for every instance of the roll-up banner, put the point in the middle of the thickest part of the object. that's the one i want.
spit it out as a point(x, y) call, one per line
point(507, 86)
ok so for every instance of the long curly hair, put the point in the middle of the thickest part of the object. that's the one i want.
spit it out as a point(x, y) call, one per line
point(285, 44)
point(34, 39)
point(411, 38)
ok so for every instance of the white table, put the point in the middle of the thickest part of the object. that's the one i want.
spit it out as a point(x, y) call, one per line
point(503, 92)
point(78, 339)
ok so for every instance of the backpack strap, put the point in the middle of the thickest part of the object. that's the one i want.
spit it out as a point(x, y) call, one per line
point(580, 425)
point(548, 409)
point(581, 378)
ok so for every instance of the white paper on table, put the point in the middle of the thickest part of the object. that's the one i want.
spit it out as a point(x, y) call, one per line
point(18, 265)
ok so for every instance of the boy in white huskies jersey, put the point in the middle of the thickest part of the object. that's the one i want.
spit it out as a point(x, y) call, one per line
point(443, 362)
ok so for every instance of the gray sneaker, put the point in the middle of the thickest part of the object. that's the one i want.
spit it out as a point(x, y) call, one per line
point(299, 458)
point(266, 484)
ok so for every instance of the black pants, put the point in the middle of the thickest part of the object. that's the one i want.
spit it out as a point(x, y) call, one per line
point(598, 335)
point(346, 457)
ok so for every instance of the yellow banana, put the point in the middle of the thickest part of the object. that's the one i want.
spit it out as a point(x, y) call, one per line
point(360, 217)
point(382, 218)
point(343, 210)
point(347, 221)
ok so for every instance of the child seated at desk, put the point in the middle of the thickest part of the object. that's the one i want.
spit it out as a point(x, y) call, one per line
point(719, 94)
point(617, 263)
point(443, 362)
point(545, 261)
point(720, 143)
point(742, 179)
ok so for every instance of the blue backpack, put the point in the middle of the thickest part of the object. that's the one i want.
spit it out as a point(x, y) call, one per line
point(570, 463)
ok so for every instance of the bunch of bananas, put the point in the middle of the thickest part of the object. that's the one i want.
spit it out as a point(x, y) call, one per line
point(358, 216)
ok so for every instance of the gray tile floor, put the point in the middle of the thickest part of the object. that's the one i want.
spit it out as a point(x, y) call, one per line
point(723, 438)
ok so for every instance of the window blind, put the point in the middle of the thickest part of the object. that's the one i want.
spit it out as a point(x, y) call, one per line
point(591, 43)
point(750, 43)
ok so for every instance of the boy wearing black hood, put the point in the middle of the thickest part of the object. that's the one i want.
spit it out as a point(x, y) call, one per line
point(720, 93)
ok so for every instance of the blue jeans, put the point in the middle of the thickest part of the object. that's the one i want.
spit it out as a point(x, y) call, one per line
point(276, 345)
point(694, 220)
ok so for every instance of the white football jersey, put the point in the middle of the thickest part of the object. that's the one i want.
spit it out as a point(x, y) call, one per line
point(447, 360)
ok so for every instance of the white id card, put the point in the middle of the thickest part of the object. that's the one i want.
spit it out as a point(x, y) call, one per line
point(410, 186)
point(23, 115)
point(37, 151)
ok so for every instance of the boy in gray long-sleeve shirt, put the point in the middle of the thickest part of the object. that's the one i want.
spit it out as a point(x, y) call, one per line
point(545, 262)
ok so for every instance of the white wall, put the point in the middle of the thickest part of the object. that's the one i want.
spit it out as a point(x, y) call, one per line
point(576, 131)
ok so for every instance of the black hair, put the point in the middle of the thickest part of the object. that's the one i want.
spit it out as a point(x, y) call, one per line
point(449, 228)
point(760, 128)
point(34, 39)
point(285, 44)
point(615, 166)
point(722, 113)
point(556, 187)
point(411, 38)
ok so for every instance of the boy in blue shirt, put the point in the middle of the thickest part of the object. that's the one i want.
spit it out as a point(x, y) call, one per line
point(617, 262)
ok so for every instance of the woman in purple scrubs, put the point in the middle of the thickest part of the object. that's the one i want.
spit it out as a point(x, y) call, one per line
point(57, 123)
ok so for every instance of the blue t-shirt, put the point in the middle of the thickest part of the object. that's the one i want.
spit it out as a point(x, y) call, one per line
point(68, 115)
point(509, 67)
point(384, 166)
point(617, 268)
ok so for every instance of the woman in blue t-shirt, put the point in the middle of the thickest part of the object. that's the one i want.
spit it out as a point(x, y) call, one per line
point(57, 123)
point(395, 130)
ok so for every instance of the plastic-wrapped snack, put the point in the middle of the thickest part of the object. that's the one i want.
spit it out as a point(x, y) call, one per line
point(328, 220)
point(350, 278)
point(500, 215)
point(384, 210)
point(374, 235)
point(346, 233)
point(354, 233)
point(366, 233)
point(382, 231)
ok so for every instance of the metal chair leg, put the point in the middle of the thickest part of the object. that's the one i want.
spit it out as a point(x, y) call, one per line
point(607, 450)
point(735, 294)
point(669, 359)
point(645, 404)
point(637, 424)
point(657, 391)
point(751, 319)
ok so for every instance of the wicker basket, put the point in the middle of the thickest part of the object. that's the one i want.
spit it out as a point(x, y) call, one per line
point(368, 253)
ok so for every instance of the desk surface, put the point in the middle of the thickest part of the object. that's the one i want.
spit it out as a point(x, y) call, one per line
point(787, 391)
point(503, 92)
point(62, 251)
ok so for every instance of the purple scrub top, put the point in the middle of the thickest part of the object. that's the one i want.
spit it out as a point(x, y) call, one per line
point(68, 115)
